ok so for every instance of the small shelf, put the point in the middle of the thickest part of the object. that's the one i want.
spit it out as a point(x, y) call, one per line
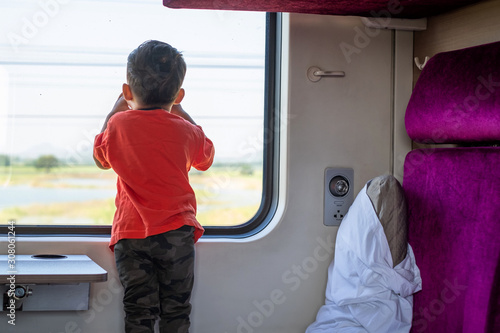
point(51, 268)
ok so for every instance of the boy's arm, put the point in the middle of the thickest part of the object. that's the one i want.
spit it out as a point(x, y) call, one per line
point(120, 106)
point(99, 165)
point(205, 156)
point(179, 111)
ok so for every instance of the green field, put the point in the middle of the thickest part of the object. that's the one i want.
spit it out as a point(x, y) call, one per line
point(227, 195)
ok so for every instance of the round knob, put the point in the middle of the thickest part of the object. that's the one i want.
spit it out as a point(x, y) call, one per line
point(339, 186)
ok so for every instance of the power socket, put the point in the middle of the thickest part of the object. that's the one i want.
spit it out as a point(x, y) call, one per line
point(339, 194)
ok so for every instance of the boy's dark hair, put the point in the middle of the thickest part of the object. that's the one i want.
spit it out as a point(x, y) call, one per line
point(155, 72)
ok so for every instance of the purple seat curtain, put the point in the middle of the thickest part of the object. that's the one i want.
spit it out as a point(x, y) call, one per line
point(453, 194)
point(370, 8)
point(457, 98)
point(453, 200)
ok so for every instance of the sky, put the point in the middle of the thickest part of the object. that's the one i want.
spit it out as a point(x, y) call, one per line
point(62, 64)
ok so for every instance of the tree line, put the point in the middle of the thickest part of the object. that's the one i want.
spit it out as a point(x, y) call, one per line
point(46, 162)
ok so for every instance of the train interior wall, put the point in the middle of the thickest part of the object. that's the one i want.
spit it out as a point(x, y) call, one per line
point(275, 281)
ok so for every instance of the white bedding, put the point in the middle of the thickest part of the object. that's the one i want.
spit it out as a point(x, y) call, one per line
point(364, 293)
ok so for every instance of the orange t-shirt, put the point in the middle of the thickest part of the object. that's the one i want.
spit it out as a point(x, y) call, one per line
point(152, 151)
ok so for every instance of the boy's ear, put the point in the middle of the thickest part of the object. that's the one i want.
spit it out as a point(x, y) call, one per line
point(180, 96)
point(127, 92)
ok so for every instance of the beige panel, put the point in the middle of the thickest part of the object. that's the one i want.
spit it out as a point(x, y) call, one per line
point(403, 50)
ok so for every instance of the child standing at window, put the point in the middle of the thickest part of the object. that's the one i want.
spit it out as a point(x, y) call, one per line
point(151, 143)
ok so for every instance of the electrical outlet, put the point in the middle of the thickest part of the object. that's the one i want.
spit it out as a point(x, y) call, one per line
point(339, 194)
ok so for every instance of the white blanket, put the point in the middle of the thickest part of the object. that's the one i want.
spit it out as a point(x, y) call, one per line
point(364, 293)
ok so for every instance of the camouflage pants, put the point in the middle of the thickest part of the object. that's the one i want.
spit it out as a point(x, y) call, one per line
point(157, 277)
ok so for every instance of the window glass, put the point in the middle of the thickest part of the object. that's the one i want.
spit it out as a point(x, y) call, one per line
point(62, 64)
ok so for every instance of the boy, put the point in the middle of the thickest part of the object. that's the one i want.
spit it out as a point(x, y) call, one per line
point(151, 143)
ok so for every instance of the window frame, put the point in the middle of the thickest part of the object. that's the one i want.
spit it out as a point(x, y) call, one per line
point(269, 201)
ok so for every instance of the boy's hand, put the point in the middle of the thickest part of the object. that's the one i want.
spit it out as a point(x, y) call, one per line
point(120, 106)
point(179, 111)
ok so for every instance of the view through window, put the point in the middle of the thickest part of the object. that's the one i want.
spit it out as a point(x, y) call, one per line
point(62, 64)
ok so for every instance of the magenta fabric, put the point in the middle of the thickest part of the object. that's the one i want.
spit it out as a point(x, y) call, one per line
point(457, 97)
point(453, 197)
point(370, 8)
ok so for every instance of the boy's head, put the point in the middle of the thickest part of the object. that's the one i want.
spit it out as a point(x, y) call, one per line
point(155, 72)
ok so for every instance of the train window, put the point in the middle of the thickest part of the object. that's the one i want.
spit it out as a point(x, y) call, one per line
point(62, 64)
